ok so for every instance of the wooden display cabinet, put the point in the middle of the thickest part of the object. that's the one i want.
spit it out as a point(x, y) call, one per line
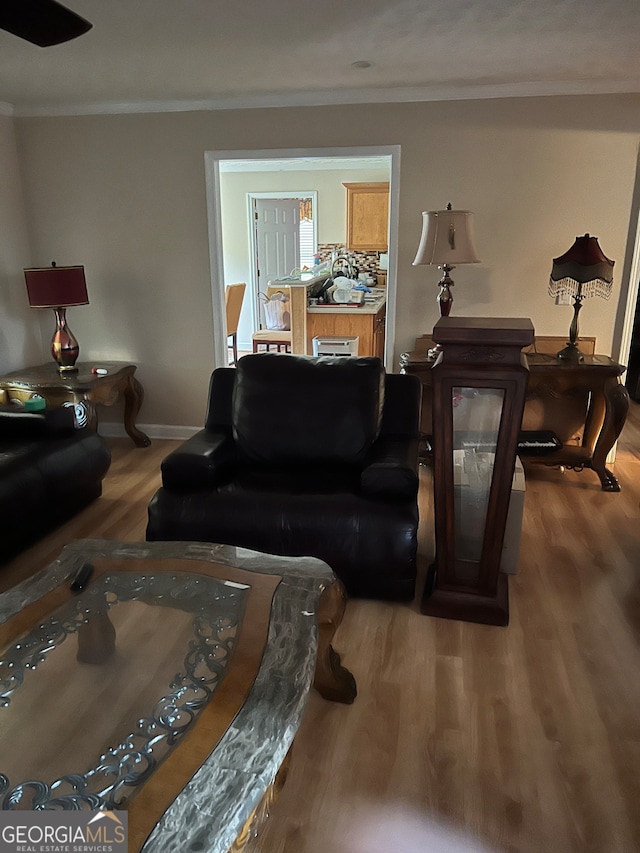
point(368, 216)
point(479, 384)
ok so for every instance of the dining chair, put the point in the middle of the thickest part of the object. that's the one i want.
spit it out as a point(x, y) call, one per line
point(268, 338)
point(234, 296)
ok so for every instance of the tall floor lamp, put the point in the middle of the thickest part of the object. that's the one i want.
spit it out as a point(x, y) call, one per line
point(59, 288)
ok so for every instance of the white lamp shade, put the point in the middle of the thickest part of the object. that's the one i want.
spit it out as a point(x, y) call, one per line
point(447, 238)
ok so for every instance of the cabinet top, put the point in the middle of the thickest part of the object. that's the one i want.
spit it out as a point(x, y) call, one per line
point(368, 186)
point(493, 331)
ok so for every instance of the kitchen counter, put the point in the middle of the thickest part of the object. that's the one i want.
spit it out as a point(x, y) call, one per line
point(374, 301)
point(366, 322)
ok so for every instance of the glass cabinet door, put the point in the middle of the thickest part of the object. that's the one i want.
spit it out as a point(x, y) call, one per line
point(476, 414)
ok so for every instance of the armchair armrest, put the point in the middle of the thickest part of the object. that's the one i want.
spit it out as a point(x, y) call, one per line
point(205, 460)
point(391, 469)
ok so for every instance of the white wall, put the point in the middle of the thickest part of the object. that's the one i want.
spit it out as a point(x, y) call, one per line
point(125, 195)
point(20, 337)
point(331, 215)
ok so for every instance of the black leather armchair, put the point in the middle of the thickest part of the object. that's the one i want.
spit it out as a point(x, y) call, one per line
point(304, 456)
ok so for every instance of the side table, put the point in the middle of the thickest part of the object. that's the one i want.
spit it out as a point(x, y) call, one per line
point(107, 389)
point(564, 397)
point(597, 379)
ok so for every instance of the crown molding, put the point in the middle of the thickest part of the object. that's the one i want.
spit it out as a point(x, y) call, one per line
point(334, 97)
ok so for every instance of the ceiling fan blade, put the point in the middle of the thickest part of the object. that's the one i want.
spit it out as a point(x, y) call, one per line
point(42, 22)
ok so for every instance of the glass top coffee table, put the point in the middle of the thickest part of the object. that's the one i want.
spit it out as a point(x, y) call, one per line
point(171, 685)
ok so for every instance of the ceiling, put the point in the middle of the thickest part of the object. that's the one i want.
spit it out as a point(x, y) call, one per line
point(185, 54)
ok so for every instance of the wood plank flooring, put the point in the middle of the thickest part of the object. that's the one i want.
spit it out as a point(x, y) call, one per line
point(526, 737)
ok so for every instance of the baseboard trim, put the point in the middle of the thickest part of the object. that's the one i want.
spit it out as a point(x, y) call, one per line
point(169, 431)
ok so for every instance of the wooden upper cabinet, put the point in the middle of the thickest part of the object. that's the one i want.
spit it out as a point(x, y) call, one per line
point(368, 216)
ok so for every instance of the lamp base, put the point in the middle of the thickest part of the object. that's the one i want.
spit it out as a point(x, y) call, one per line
point(445, 297)
point(570, 353)
point(445, 301)
point(64, 346)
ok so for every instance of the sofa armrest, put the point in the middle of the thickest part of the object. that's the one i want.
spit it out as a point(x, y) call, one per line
point(391, 469)
point(204, 461)
point(16, 424)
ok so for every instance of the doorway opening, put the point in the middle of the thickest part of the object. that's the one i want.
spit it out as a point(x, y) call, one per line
point(267, 167)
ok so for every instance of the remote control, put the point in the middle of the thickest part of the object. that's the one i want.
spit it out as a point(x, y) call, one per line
point(82, 577)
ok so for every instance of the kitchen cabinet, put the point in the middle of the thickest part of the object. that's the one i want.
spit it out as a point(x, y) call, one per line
point(346, 322)
point(368, 216)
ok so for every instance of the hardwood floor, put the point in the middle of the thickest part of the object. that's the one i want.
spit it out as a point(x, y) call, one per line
point(526, 737)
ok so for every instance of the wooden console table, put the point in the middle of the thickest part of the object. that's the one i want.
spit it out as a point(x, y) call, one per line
point(117, 383)
point(584, 403)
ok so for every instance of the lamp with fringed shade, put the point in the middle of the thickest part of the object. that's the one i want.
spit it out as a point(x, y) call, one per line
point(583, 271)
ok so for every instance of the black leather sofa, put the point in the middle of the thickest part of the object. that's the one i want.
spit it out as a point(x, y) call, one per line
point(304, 456)
point(49, 471)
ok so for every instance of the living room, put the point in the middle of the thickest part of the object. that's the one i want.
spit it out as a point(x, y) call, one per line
point(552, 715)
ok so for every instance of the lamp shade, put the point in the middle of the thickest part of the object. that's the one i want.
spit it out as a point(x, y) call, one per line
point(584, 268)
point(56, 287)
point(447, 238)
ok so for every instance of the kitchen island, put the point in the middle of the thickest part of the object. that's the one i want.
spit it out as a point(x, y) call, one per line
point(366, 322)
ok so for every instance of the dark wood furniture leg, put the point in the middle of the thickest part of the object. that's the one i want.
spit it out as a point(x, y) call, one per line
point(332, 680)
point(616, 401)
point(133, 396)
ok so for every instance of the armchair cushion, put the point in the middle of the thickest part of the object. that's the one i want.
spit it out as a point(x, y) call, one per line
point(307, 410)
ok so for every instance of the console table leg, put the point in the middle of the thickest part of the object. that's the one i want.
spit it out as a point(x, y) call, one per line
point(332, 680)
point(133, 397)
point(616, 410)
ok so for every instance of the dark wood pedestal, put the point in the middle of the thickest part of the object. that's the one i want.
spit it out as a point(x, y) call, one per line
point(478, 387)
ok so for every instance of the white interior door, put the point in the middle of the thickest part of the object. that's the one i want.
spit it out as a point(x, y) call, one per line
point(277, 241)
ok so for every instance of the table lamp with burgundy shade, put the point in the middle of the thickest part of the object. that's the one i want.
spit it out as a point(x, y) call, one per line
point(59, 288)
point(584, 270)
